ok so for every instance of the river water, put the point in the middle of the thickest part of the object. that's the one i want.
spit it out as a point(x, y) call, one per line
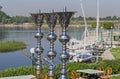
point(17, 59)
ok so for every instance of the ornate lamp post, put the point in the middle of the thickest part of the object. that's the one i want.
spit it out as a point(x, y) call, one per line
point(38, 50)
point(64, 19)
point(51, 19)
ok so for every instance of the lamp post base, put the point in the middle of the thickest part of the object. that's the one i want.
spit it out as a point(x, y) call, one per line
point(63, 77)
point(38, 74)
point(51, 77)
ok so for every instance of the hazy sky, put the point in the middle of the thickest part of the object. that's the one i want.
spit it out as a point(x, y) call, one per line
point(25, 7)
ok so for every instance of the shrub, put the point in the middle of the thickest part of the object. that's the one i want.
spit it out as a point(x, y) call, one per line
point(17, 72)
point(114, 64)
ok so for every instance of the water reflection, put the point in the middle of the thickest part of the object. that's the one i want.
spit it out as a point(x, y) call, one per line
point(17, 59)
point(2, 34)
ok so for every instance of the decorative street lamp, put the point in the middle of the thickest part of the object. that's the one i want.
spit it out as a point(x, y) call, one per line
point(64, 19)
point(38, 50)
point(51, 19)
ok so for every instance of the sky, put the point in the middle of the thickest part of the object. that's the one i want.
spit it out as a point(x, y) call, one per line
point(25, 7)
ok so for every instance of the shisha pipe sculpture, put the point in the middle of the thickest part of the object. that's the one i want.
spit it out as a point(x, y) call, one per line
point(64, 19)
point(38, 50)
point(51, 19)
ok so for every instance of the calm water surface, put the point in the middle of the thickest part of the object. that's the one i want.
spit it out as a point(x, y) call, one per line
point(17, 59)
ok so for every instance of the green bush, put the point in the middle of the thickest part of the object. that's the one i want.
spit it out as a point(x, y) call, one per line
point(108, 25)
point(114, 64)
point(17, 72)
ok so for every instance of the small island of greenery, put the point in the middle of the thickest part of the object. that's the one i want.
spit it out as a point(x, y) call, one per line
point(8, 46)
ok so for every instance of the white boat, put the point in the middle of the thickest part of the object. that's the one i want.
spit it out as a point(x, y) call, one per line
point(82, 57)
point(77, 48)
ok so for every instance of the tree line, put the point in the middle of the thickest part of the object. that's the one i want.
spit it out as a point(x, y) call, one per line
point(6, 19)
point(93, 18)
point(106, 25)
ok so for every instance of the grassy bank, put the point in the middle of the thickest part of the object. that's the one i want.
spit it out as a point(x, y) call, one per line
point(8, 46)
point(116, 52)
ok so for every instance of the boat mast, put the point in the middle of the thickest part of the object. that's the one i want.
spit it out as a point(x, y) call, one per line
point(97, 26)
point(85, 32)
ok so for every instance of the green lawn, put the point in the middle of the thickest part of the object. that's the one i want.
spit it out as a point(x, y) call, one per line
point(116, 52)
point(116, 77)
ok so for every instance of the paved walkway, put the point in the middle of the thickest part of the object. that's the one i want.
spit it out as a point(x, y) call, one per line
point(107, 55)
point(19, 77)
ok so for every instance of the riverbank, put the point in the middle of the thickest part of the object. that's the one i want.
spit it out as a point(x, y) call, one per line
point(32, 25)
point(25, 25)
